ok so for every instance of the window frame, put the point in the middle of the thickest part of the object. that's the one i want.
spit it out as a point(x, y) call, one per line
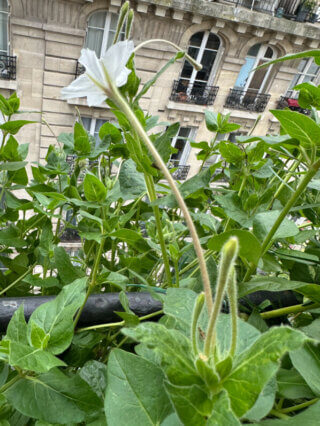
point(187, 148)
point(290, 93)
point(7, 13)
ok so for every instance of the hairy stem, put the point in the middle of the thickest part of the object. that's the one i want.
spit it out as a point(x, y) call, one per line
point(233, 303)
point(289, 310)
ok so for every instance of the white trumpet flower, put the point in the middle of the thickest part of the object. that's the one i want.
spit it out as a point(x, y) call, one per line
point(93, 84)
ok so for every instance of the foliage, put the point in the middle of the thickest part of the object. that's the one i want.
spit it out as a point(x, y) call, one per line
point(258, 206)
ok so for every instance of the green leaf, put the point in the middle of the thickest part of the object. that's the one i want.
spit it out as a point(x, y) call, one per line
point(135, 393)
point(4, 372)
point(94, 189)
point(307, 361)
point(17, 327)
point(54, 397)
point(263, 222)
point(230, 152)
point(232, 206)
point(173, 348)
point(291, 385)
point(81, 139)
point(299, 126)
point(264, 403)
point(268, 284)
point(164, 141)
point(95, 374)
point(108, 129)
point(67, 272)
point(132, 183)
point(13, 165)
point(253, 368)
point(33, 359)
point(55, 318)
point(10, 150)
point(37, 336)
point(132, 238)
point(222, 412)
point(13, 127)
point(250, 247)
point(309, 417)
point(5, 106)
point(190, 402)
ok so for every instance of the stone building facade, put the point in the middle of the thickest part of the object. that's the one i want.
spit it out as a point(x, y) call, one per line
point(42, 40)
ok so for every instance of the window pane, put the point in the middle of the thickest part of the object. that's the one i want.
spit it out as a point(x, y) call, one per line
point(97, 20)
point(244, 73)
point(302, 65)
point(99, 123)
point(207, 62)
point(253, 51)
point(186, 70)
point(258, 78)
point(269, 53)
point(3, 32)
point(313, 69)
point(179, 145)
point(94, 40)
point(294, 81)
point(86, 121)
point(184, 132)
point(4, 6)
point(213, 42)
point(196, 39)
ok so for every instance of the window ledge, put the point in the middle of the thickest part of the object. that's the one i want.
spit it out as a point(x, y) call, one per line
point(8, 84)
point(242, 114)
point(180, 106)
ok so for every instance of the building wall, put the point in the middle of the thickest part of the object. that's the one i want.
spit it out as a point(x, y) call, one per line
point(47, 37)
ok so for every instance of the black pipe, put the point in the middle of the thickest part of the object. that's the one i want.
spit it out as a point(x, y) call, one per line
point(99, 308)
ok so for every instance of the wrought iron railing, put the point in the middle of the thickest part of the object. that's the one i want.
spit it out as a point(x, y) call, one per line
point(247, 100)
point(70, 234)
point(181, 172)
point(80, 69)
point(292, 103)
point(8, 65)
point(287, 9)
point(195, 93)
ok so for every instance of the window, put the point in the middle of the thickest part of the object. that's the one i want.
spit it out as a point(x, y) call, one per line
point(181, 143)
point(307, 72)
point(101, 31)
point(92, 125)
point(256, 81)
point(204, 48)
point(4, 42)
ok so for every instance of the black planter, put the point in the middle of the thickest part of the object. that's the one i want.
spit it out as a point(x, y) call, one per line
point(99, 308)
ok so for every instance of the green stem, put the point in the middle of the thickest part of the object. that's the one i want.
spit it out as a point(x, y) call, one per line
point(195, 317)
point(289, 310)
point(279, 414)
point(291, 202)
point(195, 261)
point(153, 196)
point(9, 384)
point(299, 406)
point(243, 183)
point(17, 280)
point(177, 276)
point(233, 302)
point(118, 324)
point(125, 108)
point(93, 280)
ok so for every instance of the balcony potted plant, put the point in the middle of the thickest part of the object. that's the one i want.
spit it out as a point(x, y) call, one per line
point(305, 9)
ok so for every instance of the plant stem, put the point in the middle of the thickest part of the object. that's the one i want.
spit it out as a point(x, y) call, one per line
point(233, 302)
point(153, 196)
point(118, 324)
point(289, 310)
point(93, 280)
point(195, 317)
point(279, 414)
point(125, 108)
point(9, 384)
point(17, 280)
point(299, 406)
point(291, 202)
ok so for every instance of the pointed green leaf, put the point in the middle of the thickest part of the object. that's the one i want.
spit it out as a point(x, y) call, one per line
point(17, 327)
point(135, 393)
point(94, 189)
point(307, 361)
point(67, 272)
point(222, 412)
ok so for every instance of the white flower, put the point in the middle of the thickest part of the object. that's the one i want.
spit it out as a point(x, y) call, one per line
point(93, 84)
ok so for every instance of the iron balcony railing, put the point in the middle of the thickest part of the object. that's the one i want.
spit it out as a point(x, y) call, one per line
point(181, 172)
point(288, 9)
point(291, 102)
point(8, 66)
point(195, 93)
point(80, 69)
point(247, 100)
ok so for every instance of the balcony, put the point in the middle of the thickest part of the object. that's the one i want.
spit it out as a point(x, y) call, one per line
point(247, 100)
point(8, 66)
point(288, 9)
point(80, 69)
point(291, 102)
point(196, 93)
point(181, 172)
point(70, 234)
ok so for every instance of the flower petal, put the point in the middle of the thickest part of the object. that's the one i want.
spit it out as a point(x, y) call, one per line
point(116, 58)
point(92, 64)
point(122, 78)
point(81, 87)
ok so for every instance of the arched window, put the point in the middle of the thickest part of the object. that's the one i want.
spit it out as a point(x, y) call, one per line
point(256, 81)
point(308, 71)
point(101, 30)
point(4, 40)
point(204, 47)
point(249, 90)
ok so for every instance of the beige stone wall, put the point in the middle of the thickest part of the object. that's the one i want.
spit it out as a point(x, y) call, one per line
point(47, 37)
